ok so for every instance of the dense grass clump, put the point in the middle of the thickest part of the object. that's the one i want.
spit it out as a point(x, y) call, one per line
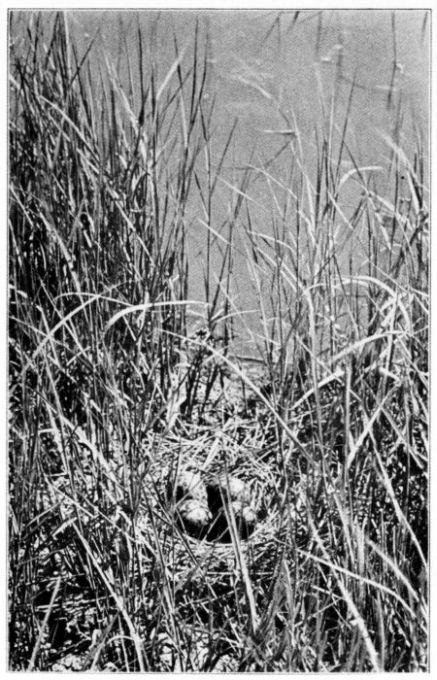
point(123, 374)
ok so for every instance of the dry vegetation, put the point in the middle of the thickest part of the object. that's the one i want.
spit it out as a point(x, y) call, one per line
point(114, 389)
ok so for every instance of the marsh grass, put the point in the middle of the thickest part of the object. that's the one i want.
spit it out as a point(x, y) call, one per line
point(120, 376)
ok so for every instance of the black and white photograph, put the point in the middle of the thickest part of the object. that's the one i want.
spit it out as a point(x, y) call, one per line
point(218, 271)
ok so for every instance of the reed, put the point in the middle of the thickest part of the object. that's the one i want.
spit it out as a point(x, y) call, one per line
point(122, 373)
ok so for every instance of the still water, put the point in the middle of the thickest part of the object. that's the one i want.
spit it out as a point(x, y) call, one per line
point(276, 70)
point(269, 70)
point(289, 56)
